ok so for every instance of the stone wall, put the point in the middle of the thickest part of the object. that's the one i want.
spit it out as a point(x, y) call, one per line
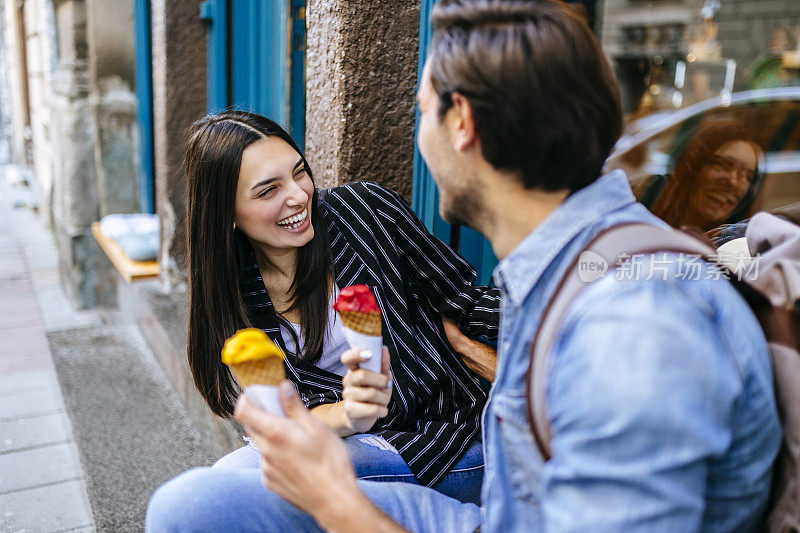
point(5, 95)
point(14, 42)
point(42, 61)
point(179, 98)
point(361, 76)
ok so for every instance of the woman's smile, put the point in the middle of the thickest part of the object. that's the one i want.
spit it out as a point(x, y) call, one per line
point(721, 199)
point(295, 223)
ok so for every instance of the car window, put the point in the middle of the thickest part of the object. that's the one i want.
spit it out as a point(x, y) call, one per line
point(771, 127)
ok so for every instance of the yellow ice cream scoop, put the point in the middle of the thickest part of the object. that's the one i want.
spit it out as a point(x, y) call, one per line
point(253, 358)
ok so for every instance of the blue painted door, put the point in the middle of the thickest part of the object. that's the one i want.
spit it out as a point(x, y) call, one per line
point(144, 104)
point(425, 198)
point(256, 59)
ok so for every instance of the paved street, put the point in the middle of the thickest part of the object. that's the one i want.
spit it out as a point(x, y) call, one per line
point(89, 424)
point(42, 485)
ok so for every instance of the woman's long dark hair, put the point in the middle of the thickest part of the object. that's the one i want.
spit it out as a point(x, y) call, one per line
point(673, 203)
point(216, 306)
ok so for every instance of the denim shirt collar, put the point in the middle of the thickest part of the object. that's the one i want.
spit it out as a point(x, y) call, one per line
point(518, 273)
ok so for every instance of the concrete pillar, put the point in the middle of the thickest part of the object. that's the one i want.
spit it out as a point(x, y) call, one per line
point(361, 76)
point(115, 152)
point(179, 98)
point(111, 67)
point(75, 182)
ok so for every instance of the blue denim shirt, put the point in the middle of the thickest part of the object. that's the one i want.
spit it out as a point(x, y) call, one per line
point(659, 393)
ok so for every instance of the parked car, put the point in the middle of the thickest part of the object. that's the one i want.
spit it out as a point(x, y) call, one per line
point(650, 146)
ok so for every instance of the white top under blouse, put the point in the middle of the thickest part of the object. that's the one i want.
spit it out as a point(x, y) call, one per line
point(333, 344)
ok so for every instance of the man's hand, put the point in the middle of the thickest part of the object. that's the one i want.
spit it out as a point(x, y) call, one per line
point(366, 394)
point(478, 357)
point(308, 465)
point(301, 459)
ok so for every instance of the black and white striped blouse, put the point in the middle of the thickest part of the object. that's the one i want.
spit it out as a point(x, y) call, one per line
point(377, 240)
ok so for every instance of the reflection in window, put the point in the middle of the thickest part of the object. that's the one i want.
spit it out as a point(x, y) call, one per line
point(669, 54)
point(715, 179)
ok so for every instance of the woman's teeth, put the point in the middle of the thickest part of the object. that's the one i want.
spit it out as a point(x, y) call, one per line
point(722, 199)
point(294, 221)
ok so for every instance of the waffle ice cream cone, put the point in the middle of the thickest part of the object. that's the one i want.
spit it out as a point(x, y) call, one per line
point(364, 322)
point(361, 321)
point(253, 358)
point(264, 372)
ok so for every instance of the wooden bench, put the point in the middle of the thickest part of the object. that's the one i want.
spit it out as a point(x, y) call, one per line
point(129, 269)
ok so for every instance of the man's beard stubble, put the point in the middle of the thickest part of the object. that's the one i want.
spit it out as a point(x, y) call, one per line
point(464, 207)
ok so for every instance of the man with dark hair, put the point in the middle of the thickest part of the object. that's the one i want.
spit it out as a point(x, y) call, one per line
point(659, 390)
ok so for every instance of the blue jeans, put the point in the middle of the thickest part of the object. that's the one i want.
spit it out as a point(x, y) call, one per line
point(234, 501)
point(230, 497)
point(374, 459)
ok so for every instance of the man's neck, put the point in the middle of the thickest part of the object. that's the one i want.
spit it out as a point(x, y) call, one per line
point(513, 212)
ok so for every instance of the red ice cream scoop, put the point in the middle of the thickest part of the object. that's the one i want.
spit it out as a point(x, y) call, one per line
point(356, 298)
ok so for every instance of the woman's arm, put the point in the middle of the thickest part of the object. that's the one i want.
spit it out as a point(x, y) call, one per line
point(478, 357)
point(366, 397)
point(333, 416)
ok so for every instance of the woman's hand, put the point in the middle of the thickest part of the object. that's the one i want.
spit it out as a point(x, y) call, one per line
point(478, 357)
point(307, 464)
point(366, 394)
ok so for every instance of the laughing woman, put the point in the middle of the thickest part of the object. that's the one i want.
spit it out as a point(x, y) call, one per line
point(270, 250)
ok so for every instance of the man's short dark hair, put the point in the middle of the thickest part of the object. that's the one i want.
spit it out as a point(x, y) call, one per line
point(545, 100)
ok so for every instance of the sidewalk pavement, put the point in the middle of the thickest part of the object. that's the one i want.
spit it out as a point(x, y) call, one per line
point(90, 425)
point(42, 484)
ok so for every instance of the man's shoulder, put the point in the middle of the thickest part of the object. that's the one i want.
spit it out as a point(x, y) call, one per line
point(656, 321)
point(656, 285)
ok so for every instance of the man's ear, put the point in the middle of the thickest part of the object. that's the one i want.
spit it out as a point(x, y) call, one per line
point(462, 123)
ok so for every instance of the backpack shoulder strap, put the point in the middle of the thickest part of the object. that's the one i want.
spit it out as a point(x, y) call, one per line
point(613, 245)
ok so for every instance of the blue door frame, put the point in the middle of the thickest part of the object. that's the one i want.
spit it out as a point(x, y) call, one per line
point(256, 59)
point(144, 104)
point(425, 197)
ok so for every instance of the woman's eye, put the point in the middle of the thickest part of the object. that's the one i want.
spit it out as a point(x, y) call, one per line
point(265, 192)
point(302, 173)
